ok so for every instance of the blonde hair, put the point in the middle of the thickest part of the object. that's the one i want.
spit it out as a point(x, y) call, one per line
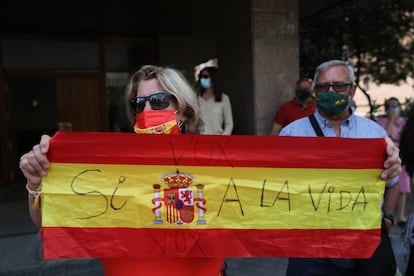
point(173, 82)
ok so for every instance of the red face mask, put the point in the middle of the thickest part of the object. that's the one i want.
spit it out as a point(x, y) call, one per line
point(156, 122)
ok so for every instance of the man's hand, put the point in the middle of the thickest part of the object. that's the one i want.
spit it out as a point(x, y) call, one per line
point(392, 164)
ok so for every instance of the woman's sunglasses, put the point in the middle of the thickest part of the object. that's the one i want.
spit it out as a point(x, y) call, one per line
point(158, 101)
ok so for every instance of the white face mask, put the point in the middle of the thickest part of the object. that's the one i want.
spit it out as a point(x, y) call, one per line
point(205, 83)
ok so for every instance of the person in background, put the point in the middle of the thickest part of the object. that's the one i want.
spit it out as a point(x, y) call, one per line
point(300, 106)
point(160, 101)
point(393, 123)
point(215, 106)
point(407, 157)
point(334, 85)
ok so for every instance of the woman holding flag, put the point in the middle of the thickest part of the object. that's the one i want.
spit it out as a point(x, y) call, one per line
point(159, 101)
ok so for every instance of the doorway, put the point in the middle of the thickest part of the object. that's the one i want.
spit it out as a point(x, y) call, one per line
point(39, 104)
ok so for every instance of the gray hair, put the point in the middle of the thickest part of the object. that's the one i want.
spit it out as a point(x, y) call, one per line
point(331, 63)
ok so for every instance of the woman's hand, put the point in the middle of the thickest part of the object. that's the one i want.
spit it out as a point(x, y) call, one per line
point(35, 164)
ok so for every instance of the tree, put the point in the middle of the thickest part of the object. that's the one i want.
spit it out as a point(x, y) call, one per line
point(375, 36)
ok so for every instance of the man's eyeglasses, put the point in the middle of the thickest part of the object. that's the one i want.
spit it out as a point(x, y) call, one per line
point(204, 76)
point(158, 101)
point(336, 86)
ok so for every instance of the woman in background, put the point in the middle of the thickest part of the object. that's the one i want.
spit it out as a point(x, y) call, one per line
point(160, 101)
point(393, 124)
point(215, 107)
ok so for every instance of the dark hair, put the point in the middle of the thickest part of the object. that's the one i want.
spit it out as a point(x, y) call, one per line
point(215, 83)
point(299, 81)
point(406, 143)
point(387, 102)
point(303, 80)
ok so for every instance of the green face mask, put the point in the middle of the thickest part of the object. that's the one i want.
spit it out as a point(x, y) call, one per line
point(331, 103)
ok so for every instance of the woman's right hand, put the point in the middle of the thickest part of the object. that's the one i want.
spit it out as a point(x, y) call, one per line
point(35, 164)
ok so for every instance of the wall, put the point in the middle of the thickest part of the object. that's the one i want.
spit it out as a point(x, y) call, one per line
point(275, 58)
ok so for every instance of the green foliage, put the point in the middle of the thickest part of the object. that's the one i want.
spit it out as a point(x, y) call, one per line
point(375, 107)
point(406, 107)
point(376, 36)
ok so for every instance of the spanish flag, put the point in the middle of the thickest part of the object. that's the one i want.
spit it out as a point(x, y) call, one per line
point(117, 195)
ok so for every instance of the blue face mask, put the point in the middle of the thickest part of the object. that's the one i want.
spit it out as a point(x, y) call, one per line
point(205, 83)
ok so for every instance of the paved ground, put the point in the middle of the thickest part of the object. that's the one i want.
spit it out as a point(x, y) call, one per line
point(20, 248)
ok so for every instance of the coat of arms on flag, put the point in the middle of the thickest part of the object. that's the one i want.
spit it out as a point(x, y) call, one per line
point(178, 199)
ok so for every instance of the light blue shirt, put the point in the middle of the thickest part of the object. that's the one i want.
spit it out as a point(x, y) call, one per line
point(353, 127)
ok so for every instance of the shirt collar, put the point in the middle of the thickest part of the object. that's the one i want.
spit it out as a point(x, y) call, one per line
point(349, 122)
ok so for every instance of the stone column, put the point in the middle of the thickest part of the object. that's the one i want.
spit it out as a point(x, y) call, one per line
point(275, 40)
point(258, 46)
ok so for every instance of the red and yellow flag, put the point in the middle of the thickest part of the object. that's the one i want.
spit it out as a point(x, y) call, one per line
point(112, 195)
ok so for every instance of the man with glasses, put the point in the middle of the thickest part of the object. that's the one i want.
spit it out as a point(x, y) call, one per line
point(334, 87)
